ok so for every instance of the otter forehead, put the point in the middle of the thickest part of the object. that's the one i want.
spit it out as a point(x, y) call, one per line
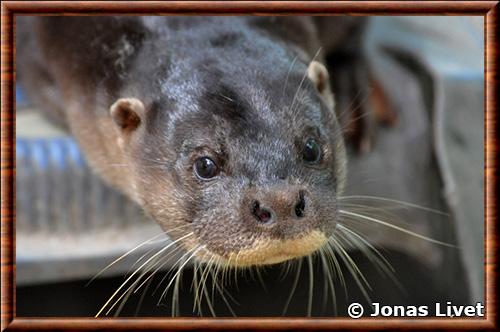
point(206, 51)
point(245, 124)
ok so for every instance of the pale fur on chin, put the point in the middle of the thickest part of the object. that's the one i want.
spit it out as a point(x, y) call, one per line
point(267, 251)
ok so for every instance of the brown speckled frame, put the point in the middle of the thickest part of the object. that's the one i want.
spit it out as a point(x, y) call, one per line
point(9, 321)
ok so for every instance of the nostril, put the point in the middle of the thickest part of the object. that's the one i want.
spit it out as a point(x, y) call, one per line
point(300, 206)
point(263, 215)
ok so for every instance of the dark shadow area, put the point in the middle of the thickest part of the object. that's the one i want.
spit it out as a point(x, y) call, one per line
point(76, 299)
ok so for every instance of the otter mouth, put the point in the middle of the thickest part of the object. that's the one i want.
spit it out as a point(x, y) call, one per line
point(270, 251)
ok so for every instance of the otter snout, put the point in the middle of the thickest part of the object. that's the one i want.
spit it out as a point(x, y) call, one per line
point(279, 205)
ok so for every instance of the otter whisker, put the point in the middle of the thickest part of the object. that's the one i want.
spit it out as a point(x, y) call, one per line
point(380, 222)
point(132, 286)
point(199, 289)
point(215, 277)
point(228, 269)
point(351, 262)
point(325, 280)
point(329, 282)
point(214, 265)
point(224, 272)
point(302, 81)
point(122, 257)
point(230, 296)
point(228, 305)
point(133, 290)
point(170, 271)
point(220, 266)
point(210, 306)
point(297, 92)
point(124, 300)
point(235, 270)
point(161, 262)
point(162, 162)
point(345, 126)
point(335, 263)
point(311, 285)
point(352, 267)
point(381, 258)
point(285, 268)
point(204, 278)
point(203, 281)
point(294, 287)
point(175, 295)
point(356, 244)
point(194, 287)
point(221, 292)
point(173, 268)
point(214, 271)
point(227, 98)
point(210, 272)
point(386, 199)
point(259, 276)
point(175, 279)
point(128, 166)
point(143, 295)
point(144, 264)
point(149, 241)
point(344, 111)
point(195, 284)
point(288, 76)
point(180, 269)
point(379, 261)
point(210, 265)
point(132, 268)
point(383, 212)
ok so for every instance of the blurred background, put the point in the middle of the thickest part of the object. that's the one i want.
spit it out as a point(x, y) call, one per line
point(70, 225)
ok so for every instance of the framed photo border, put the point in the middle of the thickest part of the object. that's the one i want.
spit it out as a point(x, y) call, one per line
point(10, 9)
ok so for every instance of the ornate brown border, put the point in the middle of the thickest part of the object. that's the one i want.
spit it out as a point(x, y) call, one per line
point(488, 9)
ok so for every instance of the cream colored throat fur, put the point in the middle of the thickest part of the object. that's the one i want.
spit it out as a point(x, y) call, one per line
point(268, 251)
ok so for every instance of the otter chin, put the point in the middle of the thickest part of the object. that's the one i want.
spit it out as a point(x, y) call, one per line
point(268, 251)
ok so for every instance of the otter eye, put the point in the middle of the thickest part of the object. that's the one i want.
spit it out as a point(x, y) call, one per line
point(312, 151)
point(205, 168)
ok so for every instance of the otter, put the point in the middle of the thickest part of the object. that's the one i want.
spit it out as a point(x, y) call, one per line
point(224, 129)
point(223, 125)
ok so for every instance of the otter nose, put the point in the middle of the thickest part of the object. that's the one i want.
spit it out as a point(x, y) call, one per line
point(300, 205)
point(279, 206)
point(262, 214)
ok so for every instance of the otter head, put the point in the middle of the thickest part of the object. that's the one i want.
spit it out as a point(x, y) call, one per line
point(243, 170)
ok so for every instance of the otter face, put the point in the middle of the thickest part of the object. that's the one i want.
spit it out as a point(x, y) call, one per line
point(253, 176)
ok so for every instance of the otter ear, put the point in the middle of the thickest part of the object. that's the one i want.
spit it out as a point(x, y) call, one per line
point(318, 74)
point(127, 113)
